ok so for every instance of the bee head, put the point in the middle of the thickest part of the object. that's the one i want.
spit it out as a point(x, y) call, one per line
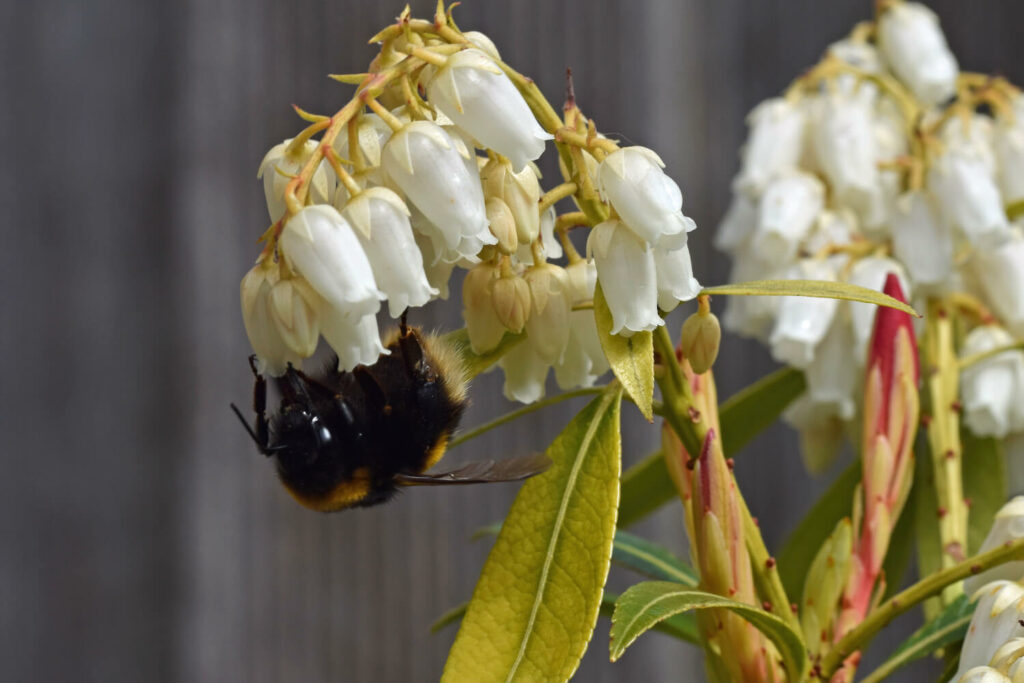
point(300, 436)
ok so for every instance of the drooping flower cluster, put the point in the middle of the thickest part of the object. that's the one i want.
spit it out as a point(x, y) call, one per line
point(429, 167)
point(884, 158)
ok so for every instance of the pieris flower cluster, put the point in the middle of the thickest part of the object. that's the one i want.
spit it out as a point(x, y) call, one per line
point(884, 158)
point(993, 650)
point(430, 167)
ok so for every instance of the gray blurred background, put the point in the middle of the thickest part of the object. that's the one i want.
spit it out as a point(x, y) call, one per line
point(141, 537)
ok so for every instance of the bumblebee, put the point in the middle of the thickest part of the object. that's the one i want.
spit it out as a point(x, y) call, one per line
point(353, 439)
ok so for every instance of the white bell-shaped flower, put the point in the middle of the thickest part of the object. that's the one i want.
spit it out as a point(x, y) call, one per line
point(831, 377)
point(738, 224)
point(789, 206)
point(294, 305)
point(476, 94)
point(272, 352)
point(322, 247)
point(832, 229)
point(626, 270)
point(844, 144)
point(911, 39)
point(1001, 274)
point(424, 161)
point(646, 199)
point(381, 222)
point(972, 135)
point(802, 322)
point(993, 388)
point(526, 373)
point(355, 340)
point(277, 169)
point(551, 243)
point(548, 324)
point(520, 192)
point(438, 272)
point(861, 55)
point(751, 316)
point(921, 239)
point(484, 327)
point(483, 42)
point(997, 614)
point(583, 361)
point(776, 142)
point(1007, 526)
point(870, 272)
point(1009, 658)
point(984, 674)
point(1009, 148)
point(965, 191)
point(371, 133)
point(676, 282)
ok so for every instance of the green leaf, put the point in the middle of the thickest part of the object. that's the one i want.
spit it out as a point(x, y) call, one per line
point(631, 359)
point(819, 289)
point(646, 485)
point(645, 604)
point(633, 552)
point(534, 608)
point(475, 363)
point(681, 626)
point(803, 543)
point(947, 628)
point(1015, 210)
point(985, 485)
point(901, 547)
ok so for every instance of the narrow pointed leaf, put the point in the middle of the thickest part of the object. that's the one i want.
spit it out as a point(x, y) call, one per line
point(475, 363)
point(646, 485)
point(681, 626)
point(631, 359)
point(645, 604)
point(949, 627)
point(811, 288)
point(534, 608)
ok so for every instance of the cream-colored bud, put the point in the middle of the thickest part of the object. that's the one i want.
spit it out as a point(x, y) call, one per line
point(511, 299)
point(700, 339)
point(484, 328)
point(502, 224)
point(520, 191)
point(293, 306)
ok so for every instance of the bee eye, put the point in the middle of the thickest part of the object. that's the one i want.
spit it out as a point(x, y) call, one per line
point(320, 431)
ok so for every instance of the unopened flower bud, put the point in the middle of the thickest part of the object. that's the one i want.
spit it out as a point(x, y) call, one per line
point(912, 42)
point(520, 191)
point(293, 304)
point(484, 327)
point(870, 272)
point(476, 94)
point(511, 299)
point(272, 352)
point(984, 674)
point(503, 225)
point(372, 134)
point(277, 169)
point(548, 324)
point(626, 270)
point(648, 201)
point(700, 339)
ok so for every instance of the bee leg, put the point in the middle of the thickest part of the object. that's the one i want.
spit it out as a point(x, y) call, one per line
point(411, 347)
point(261, 434)
point(371, 387)
point(403, 326)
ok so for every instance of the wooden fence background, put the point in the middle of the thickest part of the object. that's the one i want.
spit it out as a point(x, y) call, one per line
point(142, 538)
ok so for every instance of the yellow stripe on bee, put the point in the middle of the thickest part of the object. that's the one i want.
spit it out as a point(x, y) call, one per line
point(436, 453)
point(345, 494)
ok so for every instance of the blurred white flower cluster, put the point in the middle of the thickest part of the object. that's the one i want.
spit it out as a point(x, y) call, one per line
point(993, 650)
point(884, 158)
point(433, 169)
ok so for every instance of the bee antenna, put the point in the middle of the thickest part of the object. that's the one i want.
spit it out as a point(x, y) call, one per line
point(262, 446)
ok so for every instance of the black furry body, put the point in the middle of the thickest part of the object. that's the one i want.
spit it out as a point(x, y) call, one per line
point(340, 439)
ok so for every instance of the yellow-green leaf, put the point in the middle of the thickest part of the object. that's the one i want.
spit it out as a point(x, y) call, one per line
point(632, 358)
point(534, 608)
point(475, 363)
point(985, 484)
point(645, 604)
point(813, 288)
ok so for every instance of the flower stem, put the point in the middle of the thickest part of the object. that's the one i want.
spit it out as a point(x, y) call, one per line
point(556, 194)
point(859, 635)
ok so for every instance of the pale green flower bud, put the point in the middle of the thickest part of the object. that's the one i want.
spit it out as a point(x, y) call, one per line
point(503, 225)
point(511, 299)
point(700, 339)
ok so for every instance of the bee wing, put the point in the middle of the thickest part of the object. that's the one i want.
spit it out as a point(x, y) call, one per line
point(508, 469)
